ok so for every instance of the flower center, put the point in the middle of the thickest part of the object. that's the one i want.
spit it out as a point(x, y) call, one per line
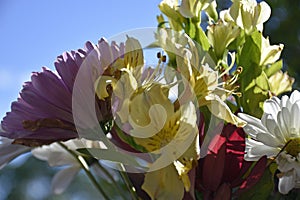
point(162, 138)
point(293, 147)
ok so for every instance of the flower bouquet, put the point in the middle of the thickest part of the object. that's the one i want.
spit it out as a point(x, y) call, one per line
point(196, 108)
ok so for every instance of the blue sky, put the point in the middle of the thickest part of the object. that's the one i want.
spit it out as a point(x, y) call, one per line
point(34, 32)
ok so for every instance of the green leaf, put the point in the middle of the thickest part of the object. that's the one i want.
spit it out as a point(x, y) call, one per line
point(192, 30)
point(238, 42)
point(262, 82)
point(201, 38)
point(249, 56)
point(261, 190)
point(253, 81)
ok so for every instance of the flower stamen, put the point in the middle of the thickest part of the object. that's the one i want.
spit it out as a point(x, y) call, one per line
point(293, 147)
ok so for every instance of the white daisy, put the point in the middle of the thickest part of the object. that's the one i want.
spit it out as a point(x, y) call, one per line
point(277, 135)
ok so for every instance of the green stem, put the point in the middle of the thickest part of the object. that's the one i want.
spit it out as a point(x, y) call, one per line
point(86, 168)
point(111, 178)
point(128, 183)
point(283, 148)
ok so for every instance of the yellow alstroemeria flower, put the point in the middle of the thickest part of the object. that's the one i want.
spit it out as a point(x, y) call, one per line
point(131, 86)
point(132, 62)
point(269, 53)
point(133, 57)
point(177, 145)
point(204, 83)
point(147, 98)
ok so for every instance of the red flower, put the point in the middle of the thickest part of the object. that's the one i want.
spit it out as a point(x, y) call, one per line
point(224, 167)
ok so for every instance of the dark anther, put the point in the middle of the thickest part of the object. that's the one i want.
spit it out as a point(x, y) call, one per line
point(158, 54)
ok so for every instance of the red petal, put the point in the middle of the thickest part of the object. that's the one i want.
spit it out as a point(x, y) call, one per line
point(223, 192)
point(213, 168)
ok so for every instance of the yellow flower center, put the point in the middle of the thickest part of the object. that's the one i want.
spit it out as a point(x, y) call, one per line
point(162, 138)
point(293, 147)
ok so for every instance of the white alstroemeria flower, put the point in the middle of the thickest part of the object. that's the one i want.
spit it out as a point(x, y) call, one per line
point(280, 82)
point(170, 9)
point(57, 155)
point(277, 135)
point(269, 53)
point(220, 35)
point(192, 8)
point(249, 15)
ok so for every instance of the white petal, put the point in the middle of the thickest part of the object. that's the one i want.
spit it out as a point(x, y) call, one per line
point(284, 128)
point(256, 149)
point(252, 131)
point(10, 151)
point(269, 122)
point(286, 182)
point(284, 163)
point(264, 150)
point(284, 100)
point(254, 125)
point(252, 121)
point(288, 119)
point(54, 154)
point(295, 96)
point(269, 140)
point(295, 113)
point(63, 178)
point(265, 12)
point(273, 136)
point(274, 129)
point(271, 106)
point(225, 16)
point(249, 145)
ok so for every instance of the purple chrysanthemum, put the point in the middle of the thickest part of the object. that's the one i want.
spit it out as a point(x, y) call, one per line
point(43, 112)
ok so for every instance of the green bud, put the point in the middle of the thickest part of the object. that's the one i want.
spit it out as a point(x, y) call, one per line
point(280, 82)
